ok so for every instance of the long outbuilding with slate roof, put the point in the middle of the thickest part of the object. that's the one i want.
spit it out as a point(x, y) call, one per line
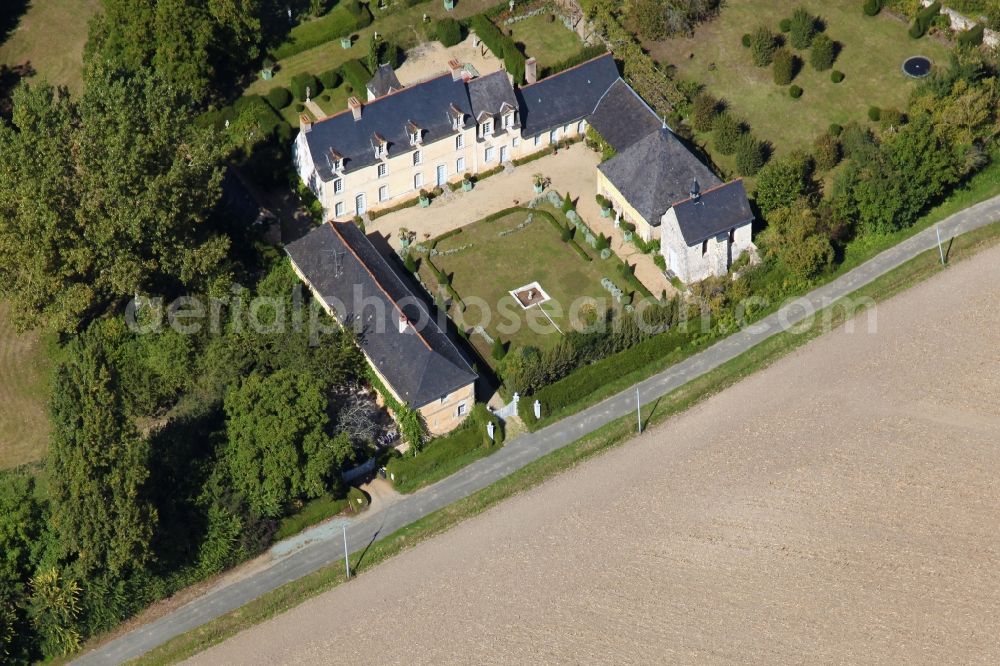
point(407, 348)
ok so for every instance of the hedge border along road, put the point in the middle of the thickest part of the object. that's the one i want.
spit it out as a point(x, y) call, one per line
point(530, 458)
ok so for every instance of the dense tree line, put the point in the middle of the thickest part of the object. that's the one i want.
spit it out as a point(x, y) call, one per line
point(173, 454)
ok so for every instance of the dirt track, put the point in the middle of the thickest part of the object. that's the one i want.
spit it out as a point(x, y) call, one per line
point(841, 506)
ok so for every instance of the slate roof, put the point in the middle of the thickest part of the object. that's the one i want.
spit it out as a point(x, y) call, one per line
point(489, 93)
point(426, 105)
point(345, 270)
point(714, 212)
point(656, 172)
point(566, 97)
point(622, 117)
point(384, 81)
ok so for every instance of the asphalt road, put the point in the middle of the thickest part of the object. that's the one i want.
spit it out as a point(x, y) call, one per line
point(525, 449)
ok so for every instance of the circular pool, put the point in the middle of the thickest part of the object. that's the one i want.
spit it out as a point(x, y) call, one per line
point(917, 67)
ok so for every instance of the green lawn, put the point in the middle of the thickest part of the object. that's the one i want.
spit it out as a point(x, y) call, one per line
point(50, 36)
point(548, 42)
point(24, 367)
point(872, 54)
point(486, 266)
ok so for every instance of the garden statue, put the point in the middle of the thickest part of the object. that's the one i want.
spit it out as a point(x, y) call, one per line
point(489, 430)
point(538, 409)
point(308, 94)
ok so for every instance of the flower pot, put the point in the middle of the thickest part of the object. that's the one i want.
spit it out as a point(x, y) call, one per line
point(424, 203)
point(267, 74)
point(466, 185)
point(539, 188)
point(605, 212)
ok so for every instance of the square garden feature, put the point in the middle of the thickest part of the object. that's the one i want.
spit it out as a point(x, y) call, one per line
point(485, 264)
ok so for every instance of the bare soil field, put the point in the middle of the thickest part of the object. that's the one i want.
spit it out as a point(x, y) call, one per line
point(839, 507)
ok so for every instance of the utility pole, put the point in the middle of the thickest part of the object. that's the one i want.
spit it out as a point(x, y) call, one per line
point(638, 409)
point(937, 230)
point(347, 561)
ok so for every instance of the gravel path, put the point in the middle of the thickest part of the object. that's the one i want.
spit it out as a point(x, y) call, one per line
point(840, 506)
point(521, 450)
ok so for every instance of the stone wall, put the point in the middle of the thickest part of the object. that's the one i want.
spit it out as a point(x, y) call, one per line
point(961, 23)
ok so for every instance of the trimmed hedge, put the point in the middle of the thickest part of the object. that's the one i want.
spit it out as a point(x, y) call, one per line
point(923, 20)
point(279, 98)
point(357, 76)
point(301, 82)
point(448, 31)
point(836, 76)
point(872, 7)
point(338, 22)
point(330, 79)
point(501, 45)
point(972, 36)
point(795, 92)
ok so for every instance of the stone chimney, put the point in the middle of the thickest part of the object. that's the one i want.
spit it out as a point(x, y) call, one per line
point(456, 69)
point(530, 70)
point(355, 106)
point(305, 122)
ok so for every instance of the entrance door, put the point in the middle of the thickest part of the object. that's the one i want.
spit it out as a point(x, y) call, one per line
point(442, 175)
point(672, 259)
point(360, 205)
point(503, 154)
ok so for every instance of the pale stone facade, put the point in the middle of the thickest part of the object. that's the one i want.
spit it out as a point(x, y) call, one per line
point(711, 256)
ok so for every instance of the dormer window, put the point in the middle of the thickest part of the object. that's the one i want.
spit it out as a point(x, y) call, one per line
point(381, 146)
point(487, 127)
point(508, 120)
point(335, 160)
point(457, 117)
point(414, 132)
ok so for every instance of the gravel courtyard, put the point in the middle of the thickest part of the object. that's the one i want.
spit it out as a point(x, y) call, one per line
point(839, 507)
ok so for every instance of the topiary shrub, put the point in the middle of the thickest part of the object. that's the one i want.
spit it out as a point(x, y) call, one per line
point(567, 204)
point(803, 28)
point(823, 53)
point(762, 46)
point(726, 133)
point(795, 92)
point(785, 25)
point(836, 76)
point(303, 82)
point(923, 20)
point(745, 40)
point(703, 111)
point(409, 264)
point(300, 107)
point(872, 7)
point(874, 114)
point(973, 36)
point(784, 67)
point(330, 79)
point(835, 129)
point(448, 31)
point(750, 155)
point(566, 234)
point(498, 350)
point(279, 98)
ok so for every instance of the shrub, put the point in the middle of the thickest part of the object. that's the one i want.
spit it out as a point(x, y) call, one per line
point(448, 31)
point(567, 204)
point(923, 20)
point(762, 45)
point(892, 118)
point(750, 155)
point(874, 114)
point(498, 350)
point(602, 202)
point(803, 28)
point(703, 111)
point(299, 84)
point(835, 129)
point(872, 7)
point(973, 36)
point(826, 152)
point(409, 264)
point(795, 92)
point(565, 234)
point(745, 40)
point(279, 98)
point(823, 53)
point(330, 79)
point(660, 262)
point(300, 107)
point(353, 6)
point(356, 75)
point(727, 132)
point(785, 25)
point(784, 67)
point(836, 76)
